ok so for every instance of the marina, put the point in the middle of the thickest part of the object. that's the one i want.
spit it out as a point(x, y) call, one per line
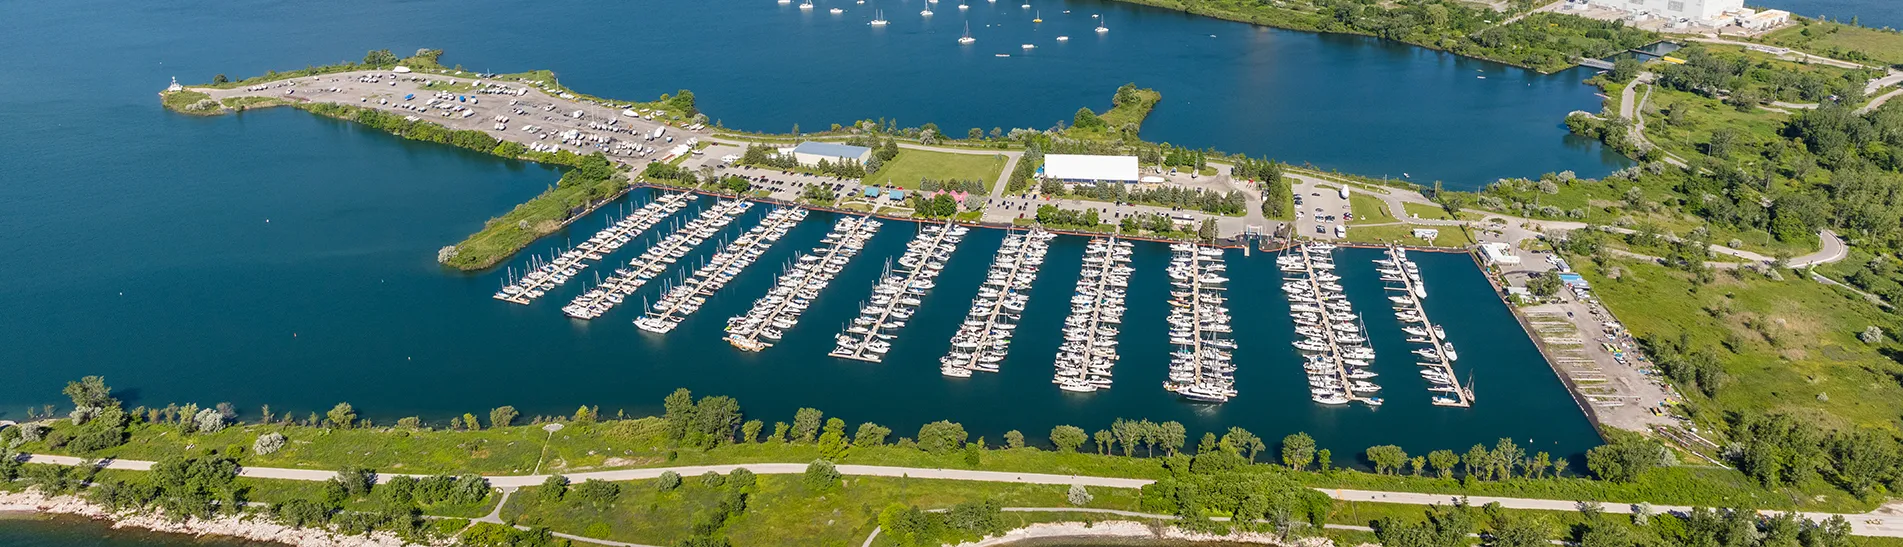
point(985, 337)
point(1335, 354)
point(1201, 368)
point(685, 299)
point(798, 285)
point(565, 266)
point(1403, 276)
point(896, 296)
point(649, 265)
point(1089, 351)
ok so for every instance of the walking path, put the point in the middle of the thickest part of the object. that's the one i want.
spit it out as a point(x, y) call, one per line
point(1886, 521)
point(1813, 58)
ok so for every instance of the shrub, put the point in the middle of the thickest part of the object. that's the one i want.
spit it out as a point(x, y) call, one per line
point(668, 480)
point(596, 492)
point(821, 475)
point(267, 444)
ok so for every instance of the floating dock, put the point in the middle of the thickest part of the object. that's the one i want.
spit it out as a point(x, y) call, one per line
point(1200, 368)
point(1437, 359)
point(985, 337)
point(566, 265)
point(896, 296)
point(685, 299)
point(1089, 351)
point(1331, 339)
point(652, 262)
point(799, 285)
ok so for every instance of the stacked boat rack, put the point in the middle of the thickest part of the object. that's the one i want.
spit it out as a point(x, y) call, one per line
point(799, 285)
point(985, 337)
point(652, 262)
point(1335, 352)
point(1200, 368)
point(1096, 312)
point(896, 296)
point(1437, 359)
point(544, 276)
point(685, 299)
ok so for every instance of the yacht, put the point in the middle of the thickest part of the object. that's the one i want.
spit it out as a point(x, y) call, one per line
point(808, 4)
point(878, 19)
point(1029, 46)
point(837, 11)
point(1063, 38)
point(962, 6)
point(926, 12)
point(967, 39)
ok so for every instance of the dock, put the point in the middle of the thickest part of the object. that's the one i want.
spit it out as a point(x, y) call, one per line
point(685, 299)
point(539, 279)
point(1089, 351)
point(799, 285)
point(1437, 359)
point(1200, 368)
point(896, 296)
point(649, 265)
point(1331, 340)
point(984, 339)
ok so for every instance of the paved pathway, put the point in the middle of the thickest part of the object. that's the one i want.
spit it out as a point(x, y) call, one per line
point(1886, 521)
point(1633, 110)
point(1813, 58)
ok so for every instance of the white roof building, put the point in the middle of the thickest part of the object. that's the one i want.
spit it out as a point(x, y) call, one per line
point(1499, 253)
point(1703, 11)
point(1090, 169)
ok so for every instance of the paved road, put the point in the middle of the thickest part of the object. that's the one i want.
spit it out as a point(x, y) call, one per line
point(1886, 521)
point(1632, 108)
point(1878, 102)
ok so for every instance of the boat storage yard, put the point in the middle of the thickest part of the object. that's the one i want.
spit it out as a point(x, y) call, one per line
point(1331, 344)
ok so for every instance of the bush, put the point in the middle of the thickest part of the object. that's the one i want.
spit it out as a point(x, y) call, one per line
point(267, 444)
point(821, 476)
point(553, 488)
point(596, 492)
point(668, 480)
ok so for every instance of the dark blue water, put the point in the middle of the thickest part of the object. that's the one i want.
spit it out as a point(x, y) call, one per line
point(1356, 104)
point(279, 258)
point(1869, 13)
point(37, 531)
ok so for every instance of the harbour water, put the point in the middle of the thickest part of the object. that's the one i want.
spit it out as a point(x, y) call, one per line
point(42, 531)
point(278, 258)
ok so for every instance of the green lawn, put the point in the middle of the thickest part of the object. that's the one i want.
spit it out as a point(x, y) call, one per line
point(1430, 212)
point(1369, 210)
point(910, 166)
point(1789, 346)
point(782, 510)
point(1836, 40)
point(1450, 236)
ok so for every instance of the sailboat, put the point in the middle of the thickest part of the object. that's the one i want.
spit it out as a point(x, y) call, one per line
point(878, 18)
point(926, 12)
point(1039, 18)
point(962, 6)
point(1100, 28)
point(808, 4)
point(967, 39)
point(837, 11)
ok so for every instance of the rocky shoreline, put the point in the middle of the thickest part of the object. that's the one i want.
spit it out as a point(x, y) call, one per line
point(1128, 530)
point(245, 527)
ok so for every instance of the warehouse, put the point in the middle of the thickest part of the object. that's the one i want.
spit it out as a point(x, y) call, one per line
point(1086, 169)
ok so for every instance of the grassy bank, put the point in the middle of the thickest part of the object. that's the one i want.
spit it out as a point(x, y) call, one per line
point(911, 165)
point(1841, 41)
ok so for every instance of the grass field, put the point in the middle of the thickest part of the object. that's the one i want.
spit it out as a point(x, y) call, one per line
point(1835, 39)
point(1450, 236)
point(906, 169)
point(1788, 346)
point(1369, 210)
point(502, 236)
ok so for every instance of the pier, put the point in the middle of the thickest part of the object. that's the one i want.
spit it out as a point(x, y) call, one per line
point(1331, 339)
point(1437, 359)
point(687, 298)
point(799, 285)
point(1089, 351)
point(985, 337)
point(652, 262)
point(1200, 369)
point(570, 263)
point(896, 297)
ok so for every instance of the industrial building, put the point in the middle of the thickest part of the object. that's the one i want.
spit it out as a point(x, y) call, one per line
point(1088, 169)
point(810, 152)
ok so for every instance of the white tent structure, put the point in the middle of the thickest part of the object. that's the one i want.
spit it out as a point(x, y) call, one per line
point(1080, 168)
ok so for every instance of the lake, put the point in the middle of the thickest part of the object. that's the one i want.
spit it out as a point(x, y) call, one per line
point(279, 258)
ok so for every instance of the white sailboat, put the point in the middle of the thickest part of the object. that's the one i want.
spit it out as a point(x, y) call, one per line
point(878, 18)
point(926, 12)
point(808, 4)
point(962, 6)
point(1038, 18)
point(967, 39)
point(837, 11)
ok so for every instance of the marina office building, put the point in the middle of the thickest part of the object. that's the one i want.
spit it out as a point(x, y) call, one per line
point(811, 152)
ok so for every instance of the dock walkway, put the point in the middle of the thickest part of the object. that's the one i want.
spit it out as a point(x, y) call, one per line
point(983, 340)
point(1201, 369)
point(1089, 351)
point(642, 269)
point(687, 298)
point(897, 294)
point(568, 264)
point(1336, 357)
point(769, 318)
point(1438, 357)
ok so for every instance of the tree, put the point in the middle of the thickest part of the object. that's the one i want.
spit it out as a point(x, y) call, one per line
point(267, 444)
point(553, 488)
point(379, 57)
point(90, 392)
point(678, 413)
point(1125, 433)
point(1078, 495)
point(1013, 439)
point(355, 481)
point(220, 79)
point(596, 492)
point(1623, 460)
point(1172, 436)
point(668, 480)
point(1386, 458)
point(1105, 442)
point(870, 434)
point(1326, 458)
point(806, 423)
point(975, 134)
point(1298, 451)
point(502, 416)
point(832, 443)
point(821, 475)
point(208, 421)
point(1624, 70)
point(1067, 438)
point(341, 416)
point(941, 436)
point(1085, 119)
point(1478, 463)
